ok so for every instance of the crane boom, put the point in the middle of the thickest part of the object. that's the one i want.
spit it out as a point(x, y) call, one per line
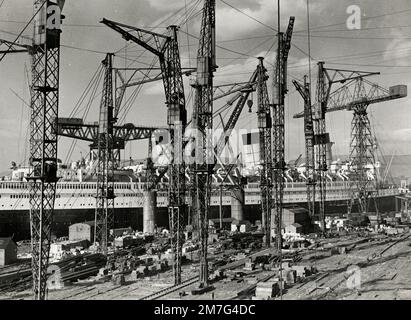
point(242, 97)
point(346, 97)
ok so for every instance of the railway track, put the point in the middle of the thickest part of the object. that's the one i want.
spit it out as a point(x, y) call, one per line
point(79, 291)
point(339, 279)
point(171, 289)
point(193, 280)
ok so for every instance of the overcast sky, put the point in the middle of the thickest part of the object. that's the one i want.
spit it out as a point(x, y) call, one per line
point(382, 44)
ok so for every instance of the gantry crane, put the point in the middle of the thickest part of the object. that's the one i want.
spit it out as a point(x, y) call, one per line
point(165, 47)
point(326, 78)
point(356, 94)
point(279, 92)
point(266, 172)
point(203, 123)
point(107, 140)
point(305, 92)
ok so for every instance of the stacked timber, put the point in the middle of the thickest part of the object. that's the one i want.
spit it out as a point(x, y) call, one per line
point(267, 290)
point(74, 268)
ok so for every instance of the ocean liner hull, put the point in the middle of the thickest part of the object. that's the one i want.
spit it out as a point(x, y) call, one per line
point(16, 223)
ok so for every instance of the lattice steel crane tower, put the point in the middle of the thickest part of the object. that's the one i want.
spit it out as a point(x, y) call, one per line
point(304, 91)
point(279, 92)
point(45, 53)
point(165, 47)
point(106, 162)
point(203, 123)
point(265, 133)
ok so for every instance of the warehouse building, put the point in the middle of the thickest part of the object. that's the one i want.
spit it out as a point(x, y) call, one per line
point(82, 231)
point(8, 251)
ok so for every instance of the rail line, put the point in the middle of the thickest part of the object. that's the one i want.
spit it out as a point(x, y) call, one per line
point(171, 289)
point(190, 281)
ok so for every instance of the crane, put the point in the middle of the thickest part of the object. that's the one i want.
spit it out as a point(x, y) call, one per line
point(165, 47)
point(201, 171)
point(304, 90)
point(279, 92)
point(107, 140)
point(44, 90)
point(45, 53)
point(106, 163)
point(355, 94)
point(266, 173)
point(242, 93)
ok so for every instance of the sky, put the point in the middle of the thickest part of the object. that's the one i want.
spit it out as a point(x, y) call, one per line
point(246, 29)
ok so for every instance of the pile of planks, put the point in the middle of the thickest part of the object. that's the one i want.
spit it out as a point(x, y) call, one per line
point(75, 268)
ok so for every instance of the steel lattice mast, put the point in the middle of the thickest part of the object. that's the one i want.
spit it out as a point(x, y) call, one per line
point(203, 123)
point(177, 121)
point(279, 92)
point(304, 90)
point(362, 150)
point(362, 153)
point(165, 47)
point(322, 138)
point(266, 173)
point(45, 53)
point(104, 216)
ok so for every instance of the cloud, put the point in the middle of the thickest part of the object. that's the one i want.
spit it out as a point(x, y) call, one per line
point(399, 135)
point(153, 89)
point(166, 5)
point(231, 22)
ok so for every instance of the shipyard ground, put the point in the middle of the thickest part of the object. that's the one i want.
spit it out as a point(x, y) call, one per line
point(384, 262)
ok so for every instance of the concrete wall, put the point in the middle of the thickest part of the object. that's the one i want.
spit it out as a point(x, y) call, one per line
point(149, 211)
point(299, 216)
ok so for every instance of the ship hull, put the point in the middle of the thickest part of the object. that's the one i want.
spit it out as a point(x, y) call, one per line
point(16, 223)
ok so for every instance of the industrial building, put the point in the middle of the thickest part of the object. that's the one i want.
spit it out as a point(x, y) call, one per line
point(82, 231)
point(8, 251)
